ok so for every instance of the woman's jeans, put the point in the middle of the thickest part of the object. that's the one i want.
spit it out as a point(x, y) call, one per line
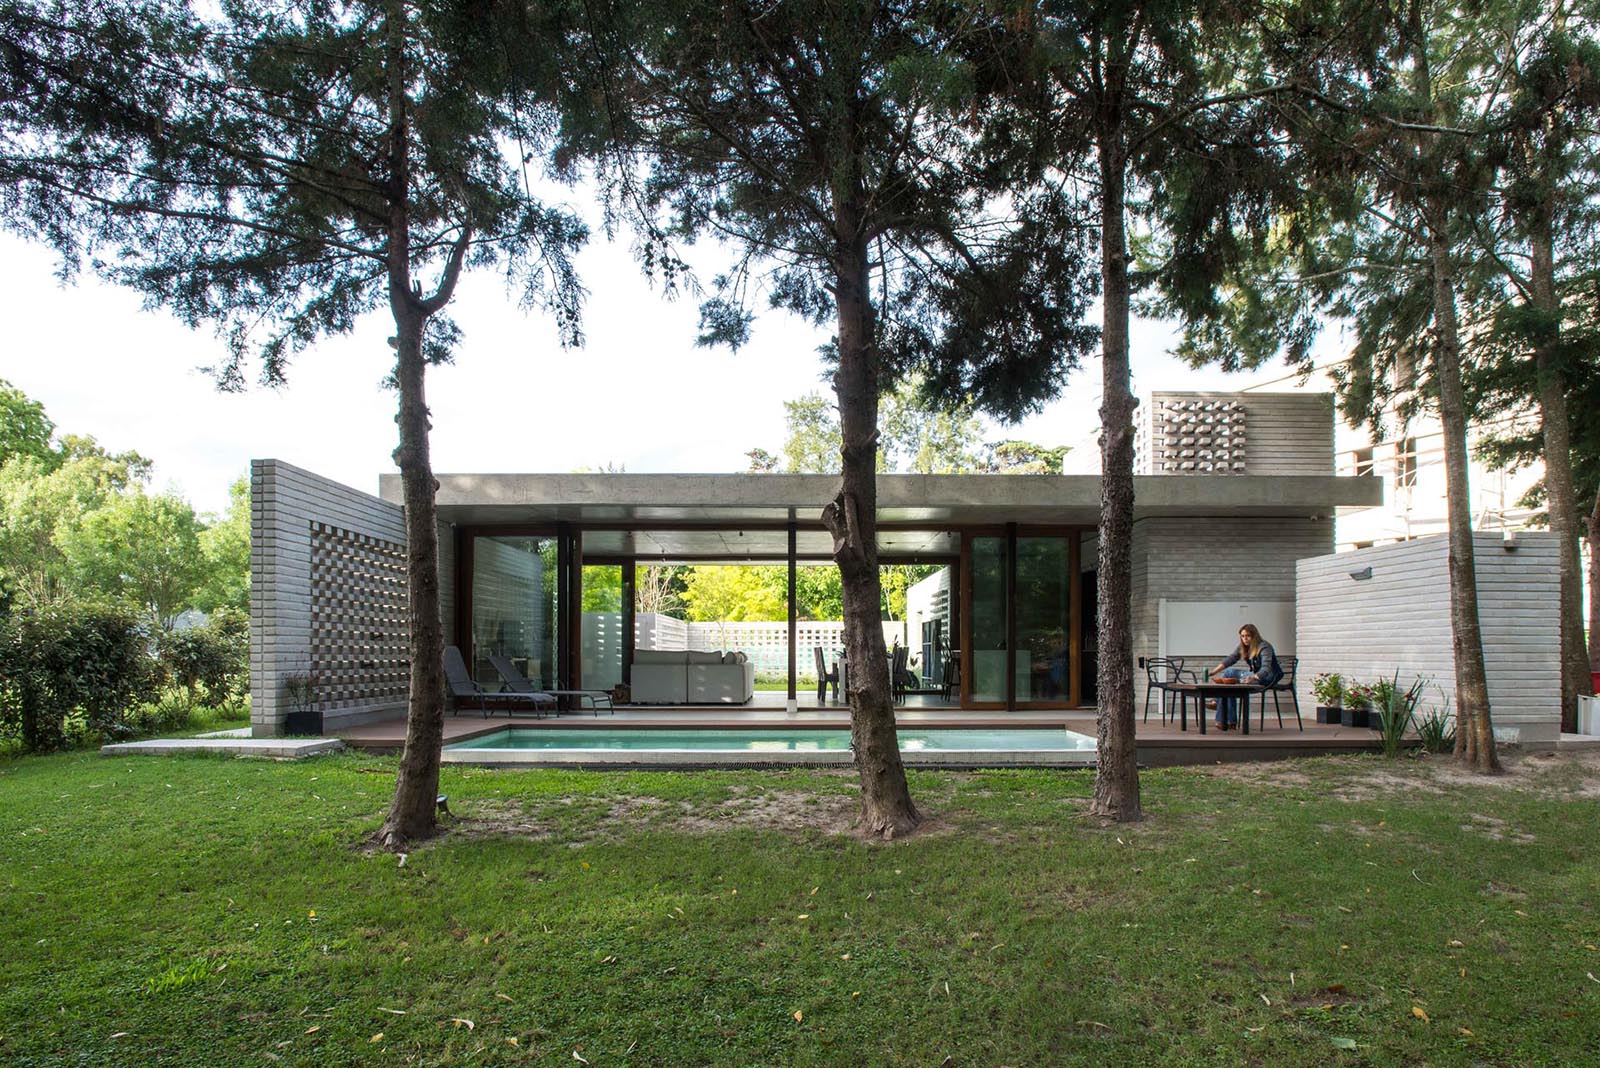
point(1228, 707)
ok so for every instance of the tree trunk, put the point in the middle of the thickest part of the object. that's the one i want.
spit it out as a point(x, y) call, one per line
point(412, 814)
point(416, 788)
point(1474, 729)
point(887, 810)
point(1116, 783)
point(1561, 497)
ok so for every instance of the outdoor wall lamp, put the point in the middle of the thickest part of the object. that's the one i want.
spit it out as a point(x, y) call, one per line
point(1509, 541)
point(1362, 575)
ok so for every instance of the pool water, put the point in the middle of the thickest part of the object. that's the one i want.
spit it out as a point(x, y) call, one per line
point(768, 741)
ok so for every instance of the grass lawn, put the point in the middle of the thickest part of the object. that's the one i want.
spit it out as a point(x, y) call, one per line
point(1339, 911)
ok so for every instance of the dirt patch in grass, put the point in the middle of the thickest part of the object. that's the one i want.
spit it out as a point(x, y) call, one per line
point(489, 818)
point(788, 811)
point(1562, 775)
point(1497, 829)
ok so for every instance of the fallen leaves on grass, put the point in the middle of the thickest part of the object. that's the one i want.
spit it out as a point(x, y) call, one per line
point(1420, 1013)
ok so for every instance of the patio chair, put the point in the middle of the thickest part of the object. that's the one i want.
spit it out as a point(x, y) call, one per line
point(1160, 673)
point(516, 682)
point(824, 676)
point(951, 681)
point(898, 673)
point(1283, 685)
point(464, 688)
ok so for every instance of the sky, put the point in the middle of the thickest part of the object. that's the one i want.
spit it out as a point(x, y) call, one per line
point(639, 394)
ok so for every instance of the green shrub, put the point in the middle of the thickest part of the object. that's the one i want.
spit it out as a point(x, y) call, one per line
point(210, 661)
point(1437, 730)
point(1396, 710)
point(172, 710)
point(68, 669)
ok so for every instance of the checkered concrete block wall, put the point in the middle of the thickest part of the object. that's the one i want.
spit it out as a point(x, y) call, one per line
point(288, 505)
point(359, 630)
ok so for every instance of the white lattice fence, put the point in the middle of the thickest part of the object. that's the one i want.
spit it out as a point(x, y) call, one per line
point(766, 644)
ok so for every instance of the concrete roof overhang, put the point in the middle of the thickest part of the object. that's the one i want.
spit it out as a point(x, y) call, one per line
point(688, 514)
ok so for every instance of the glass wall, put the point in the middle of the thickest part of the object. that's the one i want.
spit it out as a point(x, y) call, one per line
point(1044, 614)
point(602, 626)
point(1089, 565)
point(514, 610)
point(1021, 624)
point(989, 619)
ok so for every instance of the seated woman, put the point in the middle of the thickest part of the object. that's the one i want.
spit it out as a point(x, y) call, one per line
point(1253, 661)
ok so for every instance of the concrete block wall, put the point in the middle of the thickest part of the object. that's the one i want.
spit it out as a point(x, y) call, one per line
point(1284, 433)
point(1219, 559)
point(1399, 619)
point(291, 512)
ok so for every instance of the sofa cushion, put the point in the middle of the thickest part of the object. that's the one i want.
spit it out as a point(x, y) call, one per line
point(659, 656)
point(697, 657)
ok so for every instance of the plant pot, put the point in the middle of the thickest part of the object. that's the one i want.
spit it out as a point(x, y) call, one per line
point(1359, 717)
point(1329, 714)
point(304, 723)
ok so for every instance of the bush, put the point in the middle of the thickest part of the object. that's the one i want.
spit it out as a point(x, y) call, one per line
point(211, 661)
point(1437, 730)
point(75, 667)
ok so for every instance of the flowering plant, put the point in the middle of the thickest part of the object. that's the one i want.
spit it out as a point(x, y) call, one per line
point(1328, 688)
point(1359, 695)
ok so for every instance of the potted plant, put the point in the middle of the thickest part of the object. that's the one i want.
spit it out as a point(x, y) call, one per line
point(1357, 711)
point(300, 694)
point(1328, 688)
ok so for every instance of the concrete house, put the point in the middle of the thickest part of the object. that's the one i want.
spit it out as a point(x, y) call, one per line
point(1234, 521)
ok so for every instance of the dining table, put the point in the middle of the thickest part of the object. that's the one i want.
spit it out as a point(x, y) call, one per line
point(1206, 691)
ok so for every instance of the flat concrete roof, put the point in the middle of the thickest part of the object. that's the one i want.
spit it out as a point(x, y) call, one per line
point(934, 500)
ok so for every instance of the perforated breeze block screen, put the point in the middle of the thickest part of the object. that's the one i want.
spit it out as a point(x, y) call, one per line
point(359, 636)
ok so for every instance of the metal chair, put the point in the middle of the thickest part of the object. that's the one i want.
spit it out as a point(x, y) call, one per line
point(1290, 665)
point(463, 687)
point(1160, 673)
point(824, 676)
point(900, 676)
point(950, 683)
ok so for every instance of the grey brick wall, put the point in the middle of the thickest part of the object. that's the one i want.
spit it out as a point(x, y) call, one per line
point(291, 510)
point(1399, 619)
point(1283, 433)
point(1232, 559)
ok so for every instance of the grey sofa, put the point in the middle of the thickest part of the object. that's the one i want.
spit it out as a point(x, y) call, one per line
point(683, 677)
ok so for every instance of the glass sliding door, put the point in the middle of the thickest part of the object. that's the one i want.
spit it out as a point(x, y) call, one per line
point(1089, 581)
point(514, 607)
point(1023, 635)
point(1044, 618)
point(603, 615)
point(989, 621)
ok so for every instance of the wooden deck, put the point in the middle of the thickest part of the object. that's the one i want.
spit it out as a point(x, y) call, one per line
point(1159, 744)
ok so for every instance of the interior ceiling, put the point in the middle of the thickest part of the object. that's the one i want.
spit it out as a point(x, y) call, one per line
point(688, 545)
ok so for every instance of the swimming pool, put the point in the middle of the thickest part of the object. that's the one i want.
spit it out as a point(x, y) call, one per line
point(621, 745)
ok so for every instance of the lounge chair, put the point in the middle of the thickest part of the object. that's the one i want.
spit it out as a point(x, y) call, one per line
point(517, 683)
point(464, 688)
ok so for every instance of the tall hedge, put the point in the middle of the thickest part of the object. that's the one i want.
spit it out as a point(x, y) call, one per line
point(70, 668)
